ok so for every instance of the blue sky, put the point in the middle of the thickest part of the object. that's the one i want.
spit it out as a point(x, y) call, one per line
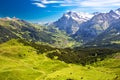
point(51, 10)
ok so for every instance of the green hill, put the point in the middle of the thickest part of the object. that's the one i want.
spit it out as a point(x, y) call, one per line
point(22, 60)
point(16, 28)
point(33, 52)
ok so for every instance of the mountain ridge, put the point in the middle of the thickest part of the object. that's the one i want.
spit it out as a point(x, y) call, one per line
point(16, 28)
point(73, 28)
point(84, 27)
point(30, 55)
point(70, 21)
point(96, 25)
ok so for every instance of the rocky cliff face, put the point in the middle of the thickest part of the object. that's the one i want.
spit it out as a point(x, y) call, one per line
point(70, 21)
point(95, 26)
point(111, 34)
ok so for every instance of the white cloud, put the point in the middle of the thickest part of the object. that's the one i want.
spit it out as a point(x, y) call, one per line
point(51, 2)
point(40, 5)
point(92, 3)
point(64, 5)
point(43, 3)
point(100, 3)
point(78, 3)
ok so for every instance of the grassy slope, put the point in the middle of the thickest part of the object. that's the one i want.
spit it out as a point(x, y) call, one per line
point(33, 32)
point(20, 62)
point(112, 64)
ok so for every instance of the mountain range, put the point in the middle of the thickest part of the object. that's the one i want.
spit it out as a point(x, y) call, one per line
point(72, 29)
point(15, 28)
point(84, 27)
point(79, 46)
point(70, 21)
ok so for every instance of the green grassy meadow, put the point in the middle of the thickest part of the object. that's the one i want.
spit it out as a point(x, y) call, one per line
point(22, 62)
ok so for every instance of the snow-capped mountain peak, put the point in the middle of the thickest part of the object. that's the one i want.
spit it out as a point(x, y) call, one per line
point(117, 11)
point(70, 21)
point(78, 16)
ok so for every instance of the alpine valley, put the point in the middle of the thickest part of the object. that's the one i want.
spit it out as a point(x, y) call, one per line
point(78, 46)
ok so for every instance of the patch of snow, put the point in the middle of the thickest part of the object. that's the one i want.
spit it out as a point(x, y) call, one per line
point(78, 16)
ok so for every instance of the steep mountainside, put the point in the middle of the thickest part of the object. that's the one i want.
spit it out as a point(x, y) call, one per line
point(29, 57)
point(82, 27)
point(85, 27)
point(16, 28)
point(110, 35)
point(70, 21)
point(99, 23)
